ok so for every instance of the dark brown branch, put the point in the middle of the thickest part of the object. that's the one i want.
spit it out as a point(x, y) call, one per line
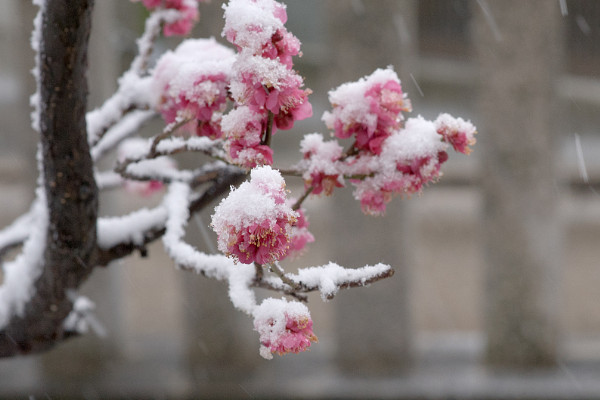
point(285, 290)
point(69, 180)
point(167, 132)
point(269, 130)
point(301, 287)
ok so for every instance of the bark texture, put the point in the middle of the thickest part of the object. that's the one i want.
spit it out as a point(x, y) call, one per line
point(71, 191)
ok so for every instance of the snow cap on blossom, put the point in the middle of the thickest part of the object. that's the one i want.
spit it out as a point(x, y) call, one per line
point(267, 85)
point(188, 10)
point(321, 164)
point(368, 109)
point(284, 327)
point(456, 131)
point(191, 83)
point(254, 223)
point(263, 78)
point(257, 27)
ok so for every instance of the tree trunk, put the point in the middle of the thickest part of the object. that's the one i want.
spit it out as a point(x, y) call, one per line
point(71, 192)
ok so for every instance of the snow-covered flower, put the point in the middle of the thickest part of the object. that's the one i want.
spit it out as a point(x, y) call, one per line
point(456, 131)
point(265, 85)
point(244, 129)
point(191, 83)
point(254, 223)
point(257, 27)
point(263, 76)
point(321, 164)
point(410, 158)
point(284, 327)
point(369, 109)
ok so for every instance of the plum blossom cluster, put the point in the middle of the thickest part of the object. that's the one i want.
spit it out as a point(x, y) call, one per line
point(284, 327)
point(254, 223)
point(388, 155)
point(188, 14)
point(368, 111)
point(191, 85)
point(267, 92)
point(236, 101)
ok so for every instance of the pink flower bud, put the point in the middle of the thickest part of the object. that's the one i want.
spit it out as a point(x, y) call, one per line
point(284, 327)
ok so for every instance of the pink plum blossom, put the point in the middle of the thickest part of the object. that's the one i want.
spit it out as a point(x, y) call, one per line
point(261, 242)
point(284, 327)
point(456, 131)
point(257, 27)
point(254, 223)
point(267, 85)
point(369, 110)
point(192, 84)
point(188, 10)
point(374, 202)
point(300, 234)
point(411, 157)
point(283, 46)
point(244, 129)
point(321, 165)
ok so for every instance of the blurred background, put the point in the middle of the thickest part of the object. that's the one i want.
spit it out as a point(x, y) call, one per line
point(497, 266)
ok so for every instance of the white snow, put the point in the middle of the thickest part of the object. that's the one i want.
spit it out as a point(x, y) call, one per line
point(20, 274)
point(328, 278)
point(127, 126)
point(271, 317)
point(418, 138)
point(129, 228)
point(132, 90)
point(36, 42)
point(252, 23)
point(213, 266)
point(350, 103)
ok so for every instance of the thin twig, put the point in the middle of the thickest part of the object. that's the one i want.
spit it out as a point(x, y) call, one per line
point(259, 272)
point(276, 268)
point(299, 202)
point(269, 130)
point(167, 132)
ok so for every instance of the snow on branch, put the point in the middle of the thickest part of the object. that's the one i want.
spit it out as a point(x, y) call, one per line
point(20, 274)
point(130, 228)
point(17, 232)
point(242, 277)
point(145, 43)
point(126, 127)
point(134, 91)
